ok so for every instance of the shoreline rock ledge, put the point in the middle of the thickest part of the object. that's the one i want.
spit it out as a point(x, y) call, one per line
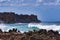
point(42, 34)
point(11, 17)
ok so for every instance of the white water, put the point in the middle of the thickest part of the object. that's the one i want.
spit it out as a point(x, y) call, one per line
point(4, 27)
point(26, 27)
point(47, 27)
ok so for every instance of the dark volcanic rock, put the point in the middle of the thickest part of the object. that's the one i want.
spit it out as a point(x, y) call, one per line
point(31, 35)
point(11, 17)
point(32, 38)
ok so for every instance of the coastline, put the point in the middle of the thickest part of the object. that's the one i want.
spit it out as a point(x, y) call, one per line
point(11, 17)
point(41, 34)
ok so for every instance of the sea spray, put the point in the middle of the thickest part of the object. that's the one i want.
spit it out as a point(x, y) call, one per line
point(24, 27)
point(2, 26)
point(47, 27)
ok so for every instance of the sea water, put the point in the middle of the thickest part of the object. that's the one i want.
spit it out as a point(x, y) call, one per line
point(24, 27)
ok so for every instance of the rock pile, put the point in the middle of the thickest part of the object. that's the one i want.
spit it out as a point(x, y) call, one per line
point(31, 35)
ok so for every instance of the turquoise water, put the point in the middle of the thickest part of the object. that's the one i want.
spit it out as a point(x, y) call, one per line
point(24, 27)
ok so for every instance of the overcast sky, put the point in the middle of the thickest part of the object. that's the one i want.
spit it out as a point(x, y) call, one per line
point(46, 10)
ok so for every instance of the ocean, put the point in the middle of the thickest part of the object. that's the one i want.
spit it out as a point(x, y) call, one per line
point(25, 27)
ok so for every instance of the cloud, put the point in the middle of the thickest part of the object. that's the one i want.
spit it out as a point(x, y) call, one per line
point(39, 0)
point(48, 2)
point(4, 0)
point(28, 2)
point(54, 3)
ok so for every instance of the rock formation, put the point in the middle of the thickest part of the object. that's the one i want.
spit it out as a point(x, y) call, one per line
point(11, 17)
point(42, 34)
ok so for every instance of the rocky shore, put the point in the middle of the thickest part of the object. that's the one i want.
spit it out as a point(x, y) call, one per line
point(31, 35)
point(11, 17)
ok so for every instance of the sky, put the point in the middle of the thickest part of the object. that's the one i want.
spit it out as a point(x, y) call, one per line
point(46, 10)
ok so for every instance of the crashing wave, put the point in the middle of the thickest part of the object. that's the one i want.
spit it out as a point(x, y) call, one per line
point(47, 27)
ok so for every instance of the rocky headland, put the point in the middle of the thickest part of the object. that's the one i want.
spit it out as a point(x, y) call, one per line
point(11, 17)
point(31, 35)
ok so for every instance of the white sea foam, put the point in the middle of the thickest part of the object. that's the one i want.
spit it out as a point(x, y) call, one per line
point(2, 26)
point(9, 29)
point(54, 27)
point(5, 27)
point(47, 27)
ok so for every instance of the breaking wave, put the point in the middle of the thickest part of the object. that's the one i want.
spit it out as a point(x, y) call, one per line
point(47, 27)
point(31, 26)
point(2, 26)
point(5, 27)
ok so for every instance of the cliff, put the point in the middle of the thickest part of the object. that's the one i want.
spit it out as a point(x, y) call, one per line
point(11, 17)
point(31, 35)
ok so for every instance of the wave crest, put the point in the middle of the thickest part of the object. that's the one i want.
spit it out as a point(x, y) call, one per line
point(47, 27)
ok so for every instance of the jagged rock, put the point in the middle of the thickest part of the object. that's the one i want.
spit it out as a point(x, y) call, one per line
point(0, 30)
point(52, 32)
point(42, 31)
point(13, 30)
point(32, 38)
point(42, 34)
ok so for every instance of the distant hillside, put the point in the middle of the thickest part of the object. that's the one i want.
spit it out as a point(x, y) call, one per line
point(11, 17)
